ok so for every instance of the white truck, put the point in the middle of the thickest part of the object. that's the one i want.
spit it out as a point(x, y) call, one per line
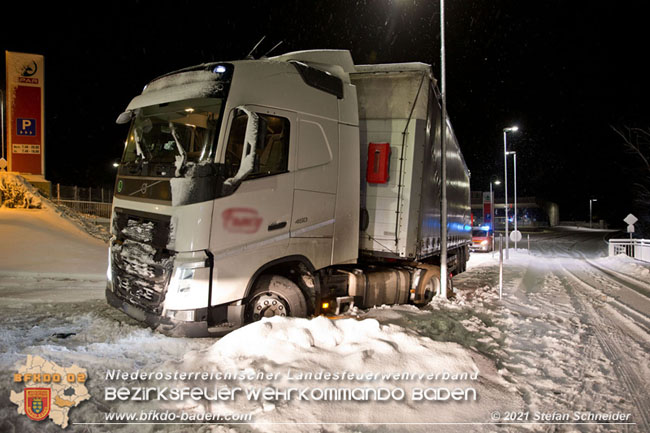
point(295, 185)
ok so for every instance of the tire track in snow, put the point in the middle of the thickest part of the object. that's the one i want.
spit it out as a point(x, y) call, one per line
point(635, 284)
point(615, 345)
point(629, 301)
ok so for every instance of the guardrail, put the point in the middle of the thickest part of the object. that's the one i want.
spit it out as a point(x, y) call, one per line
point(88, 207)
point(637, 248)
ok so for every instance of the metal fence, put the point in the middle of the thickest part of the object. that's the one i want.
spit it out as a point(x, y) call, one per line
point(637, 248)
point(88, 207)
point(78, 193)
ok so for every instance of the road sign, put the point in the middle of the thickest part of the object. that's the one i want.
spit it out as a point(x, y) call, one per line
point(630, 228)
point(630, 219)
point(515, 236)
point(3, 163)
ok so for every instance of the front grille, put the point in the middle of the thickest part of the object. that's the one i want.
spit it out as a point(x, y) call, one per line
point(141, 274)
point(141, 261)
point(148, 228)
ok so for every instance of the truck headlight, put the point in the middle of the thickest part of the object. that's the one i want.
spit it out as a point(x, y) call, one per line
point(484, 242)
point(109, 270)
point(185, 277)
point(186, 274)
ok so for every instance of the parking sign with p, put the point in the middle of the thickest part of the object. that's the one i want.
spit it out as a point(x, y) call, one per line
point(26, 127)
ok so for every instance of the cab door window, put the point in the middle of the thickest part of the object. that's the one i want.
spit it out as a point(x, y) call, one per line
point(272, 147)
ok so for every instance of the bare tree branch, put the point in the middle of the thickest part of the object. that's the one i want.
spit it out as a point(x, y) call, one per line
point(635, 140)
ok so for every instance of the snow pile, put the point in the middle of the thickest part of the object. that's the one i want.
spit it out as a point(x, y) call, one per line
point(355, 354)
point(627, 265)
point(16, 192)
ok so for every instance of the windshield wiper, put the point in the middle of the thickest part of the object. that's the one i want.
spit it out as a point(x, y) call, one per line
point(182, 158)
point(137, 137)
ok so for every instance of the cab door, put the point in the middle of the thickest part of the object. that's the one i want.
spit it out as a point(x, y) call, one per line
point(250, 227)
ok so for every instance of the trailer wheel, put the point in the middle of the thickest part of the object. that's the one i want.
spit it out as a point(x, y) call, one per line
point(275, 295)
point(429, 285)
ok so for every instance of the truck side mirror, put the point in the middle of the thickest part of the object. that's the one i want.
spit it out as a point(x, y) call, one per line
point(248, 152)
point(125, 117)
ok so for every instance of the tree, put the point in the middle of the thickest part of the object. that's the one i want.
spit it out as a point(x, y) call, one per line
point(636, 142)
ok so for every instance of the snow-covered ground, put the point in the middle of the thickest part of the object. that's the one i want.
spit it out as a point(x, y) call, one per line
point(571, 334)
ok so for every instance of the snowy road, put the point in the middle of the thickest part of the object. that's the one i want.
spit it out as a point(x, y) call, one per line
point(571, 335)
point(577, 326)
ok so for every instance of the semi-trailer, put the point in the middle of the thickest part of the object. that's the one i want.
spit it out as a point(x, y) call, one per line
point(295, 185)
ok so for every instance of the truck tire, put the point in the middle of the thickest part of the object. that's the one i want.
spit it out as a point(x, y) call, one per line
point(429, 285)
point(275, 295)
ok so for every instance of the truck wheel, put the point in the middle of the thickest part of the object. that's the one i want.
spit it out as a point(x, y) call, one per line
point(429, 285)
point(275, 295)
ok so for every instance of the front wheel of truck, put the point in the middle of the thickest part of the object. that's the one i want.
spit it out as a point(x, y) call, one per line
point(275, 295)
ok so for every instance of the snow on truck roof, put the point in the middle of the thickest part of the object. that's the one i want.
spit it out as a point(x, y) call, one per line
point(202, 80)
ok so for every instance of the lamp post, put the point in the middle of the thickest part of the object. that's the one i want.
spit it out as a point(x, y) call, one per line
point(443, 164)
point(505, 176)
point(591, 200)
point(514, 156)
point(492, 182)
point(495, 182)
point(2, 121)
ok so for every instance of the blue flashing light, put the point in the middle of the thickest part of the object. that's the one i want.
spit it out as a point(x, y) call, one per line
point(486, 227)
point(219, 69)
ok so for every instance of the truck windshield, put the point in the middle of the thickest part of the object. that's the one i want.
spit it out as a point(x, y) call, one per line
point(163, 133)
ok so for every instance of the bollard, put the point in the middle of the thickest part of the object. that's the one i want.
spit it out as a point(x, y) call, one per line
point(528, 235)
point(500, 266)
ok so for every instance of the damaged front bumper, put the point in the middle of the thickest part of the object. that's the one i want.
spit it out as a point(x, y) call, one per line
point(163, 324)
point(171, 295)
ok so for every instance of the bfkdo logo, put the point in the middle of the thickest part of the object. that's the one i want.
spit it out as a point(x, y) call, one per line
point(50, 390)
point(38, 402)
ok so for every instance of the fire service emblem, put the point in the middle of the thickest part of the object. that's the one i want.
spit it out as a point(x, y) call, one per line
point(37, 403)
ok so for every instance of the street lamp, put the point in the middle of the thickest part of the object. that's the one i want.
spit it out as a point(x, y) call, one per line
point(505, 172)
point(492, 182)
point(514, 156)
point(492, 226)
point(591, 200)
point(443, 150)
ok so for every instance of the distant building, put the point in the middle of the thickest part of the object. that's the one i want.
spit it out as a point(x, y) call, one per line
point(531, 211)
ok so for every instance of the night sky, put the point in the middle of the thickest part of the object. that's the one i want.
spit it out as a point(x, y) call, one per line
point(564, 71)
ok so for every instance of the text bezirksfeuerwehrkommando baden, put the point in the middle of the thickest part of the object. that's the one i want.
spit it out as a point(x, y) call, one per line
point(351, 386)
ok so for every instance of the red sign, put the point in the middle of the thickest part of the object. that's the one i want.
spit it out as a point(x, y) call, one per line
point(487, 213)
point(26, 147)
point(378, 160)
point(37, 403)
point(241, 220)
point(25, 111)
